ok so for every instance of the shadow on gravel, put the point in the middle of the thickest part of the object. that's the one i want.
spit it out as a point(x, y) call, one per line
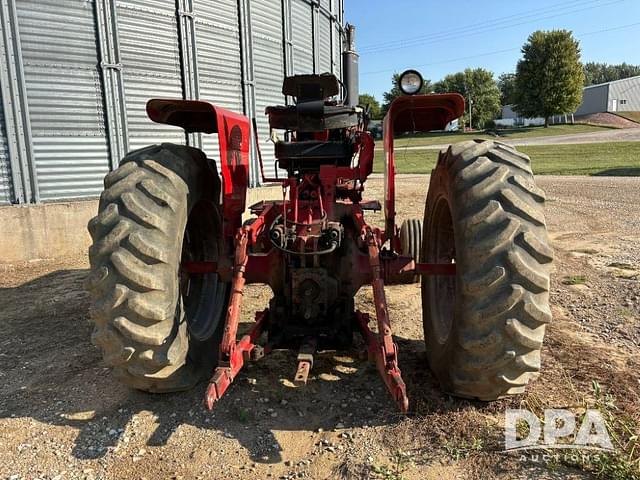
point(50, 372)
point(619, 172)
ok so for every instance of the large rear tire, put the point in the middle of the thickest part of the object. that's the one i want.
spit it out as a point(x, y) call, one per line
point(157, 326)
point(484, 326)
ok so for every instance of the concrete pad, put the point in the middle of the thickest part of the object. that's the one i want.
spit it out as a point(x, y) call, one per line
point(52, 231)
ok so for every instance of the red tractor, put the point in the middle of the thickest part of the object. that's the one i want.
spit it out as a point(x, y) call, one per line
point(171, 254)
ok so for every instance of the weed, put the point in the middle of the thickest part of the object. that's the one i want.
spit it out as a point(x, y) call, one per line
point(624, 431)
point(621, 265)
point(400, 462)
point(574, 280)
point(458, 451)
point(243, 415)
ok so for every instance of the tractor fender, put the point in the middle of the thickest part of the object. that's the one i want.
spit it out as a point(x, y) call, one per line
point(422, 113)
point(412, 113)
point(234, 139)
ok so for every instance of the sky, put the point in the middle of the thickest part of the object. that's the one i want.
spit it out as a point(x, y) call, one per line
point(442, 37)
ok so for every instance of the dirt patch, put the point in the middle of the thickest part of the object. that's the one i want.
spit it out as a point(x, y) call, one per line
point(63, 415)
point(607, 120)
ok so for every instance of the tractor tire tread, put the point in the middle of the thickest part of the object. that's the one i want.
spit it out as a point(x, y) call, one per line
point(133, 282)
point(411, 241)
point(503, 256)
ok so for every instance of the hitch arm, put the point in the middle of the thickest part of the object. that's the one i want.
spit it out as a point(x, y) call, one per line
point(382, 348)
point(237, 291)
point(233, 355)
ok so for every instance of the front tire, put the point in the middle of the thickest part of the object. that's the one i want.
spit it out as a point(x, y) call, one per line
point(484, 326)
point(411, 241)
point(158, 327)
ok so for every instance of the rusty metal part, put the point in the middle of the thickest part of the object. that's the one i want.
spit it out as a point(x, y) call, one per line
point(305, 361)
point(224, 375)
point(237, 289)
point(386, 363)
point(384, 351)
point(302, 373)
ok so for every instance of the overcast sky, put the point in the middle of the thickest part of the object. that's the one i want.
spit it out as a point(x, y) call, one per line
point(441, 37)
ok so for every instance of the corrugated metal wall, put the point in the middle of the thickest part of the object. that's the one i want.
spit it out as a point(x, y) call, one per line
point(218, 62)
point(6, 189)
point(268, 69)
point(324, 37)
point(64, 97)
point(594, 100)
point(150, 55)
point(79, 73)
point(627, 94)
point(302, 37)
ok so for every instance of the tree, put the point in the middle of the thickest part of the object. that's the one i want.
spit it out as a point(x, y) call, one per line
point(602, 72)
point(374, 105)
point(507, 86)
point(480, 91)
point(549, 77)
point(395, 92)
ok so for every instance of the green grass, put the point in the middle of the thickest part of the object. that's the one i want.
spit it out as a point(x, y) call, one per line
point(438, 138)
point(633, 116)
point(621, 265)
point(602, 159)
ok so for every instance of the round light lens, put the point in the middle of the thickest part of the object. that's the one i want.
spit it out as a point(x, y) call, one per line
point(410, 82)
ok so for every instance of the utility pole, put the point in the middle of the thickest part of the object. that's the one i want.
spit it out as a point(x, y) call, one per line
point(470, 114)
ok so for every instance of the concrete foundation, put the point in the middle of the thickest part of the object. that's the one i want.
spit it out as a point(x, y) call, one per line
point(53, 231)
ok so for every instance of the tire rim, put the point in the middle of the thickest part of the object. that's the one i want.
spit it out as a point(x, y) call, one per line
point(442, 288)
point(202, 296)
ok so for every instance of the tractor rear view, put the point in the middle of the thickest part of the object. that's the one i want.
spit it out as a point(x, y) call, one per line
point(171, 254)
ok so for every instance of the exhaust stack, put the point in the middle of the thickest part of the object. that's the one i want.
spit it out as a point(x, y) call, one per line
point(350, 72)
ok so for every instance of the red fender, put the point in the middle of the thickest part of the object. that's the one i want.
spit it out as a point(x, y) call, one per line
point(234, 137)
point(415, 113)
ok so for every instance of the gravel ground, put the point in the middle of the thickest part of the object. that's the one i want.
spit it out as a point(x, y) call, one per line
point(63, 416)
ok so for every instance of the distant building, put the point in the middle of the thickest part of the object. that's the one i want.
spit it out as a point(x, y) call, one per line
point(511, 118)
point(617, 96)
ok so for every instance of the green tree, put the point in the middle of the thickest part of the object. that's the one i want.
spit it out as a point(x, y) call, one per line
point(374, 105)
point(507, 86)
point(549, 77)
point(395, 92)
point(480, 91)
point(603, 72)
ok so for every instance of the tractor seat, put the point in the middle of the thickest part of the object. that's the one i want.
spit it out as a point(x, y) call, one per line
point(310, 155)
point(312, 116)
